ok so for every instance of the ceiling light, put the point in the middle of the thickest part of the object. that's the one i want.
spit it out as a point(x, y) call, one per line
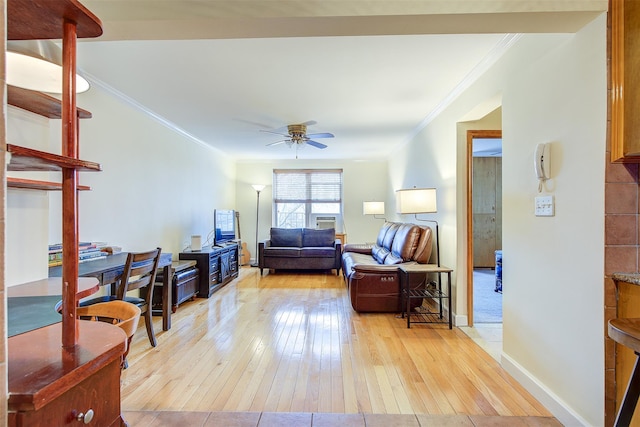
point(37, 65)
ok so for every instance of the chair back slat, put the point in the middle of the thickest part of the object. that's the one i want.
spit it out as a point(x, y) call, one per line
point(139, 272)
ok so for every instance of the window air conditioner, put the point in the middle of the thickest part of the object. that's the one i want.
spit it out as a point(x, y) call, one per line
point(326, 222)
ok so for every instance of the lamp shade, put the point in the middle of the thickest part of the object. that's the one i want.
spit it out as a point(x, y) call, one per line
point(416, 200)
point(37, 65)
point(258, 187)
point(372, 208)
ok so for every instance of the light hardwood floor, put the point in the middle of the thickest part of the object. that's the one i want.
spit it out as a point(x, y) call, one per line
point(292, 343)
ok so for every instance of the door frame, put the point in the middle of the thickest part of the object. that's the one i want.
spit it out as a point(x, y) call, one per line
point(471, 134)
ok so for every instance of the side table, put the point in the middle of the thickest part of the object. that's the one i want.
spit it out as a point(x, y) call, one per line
point(183, 281)
point(426, 291)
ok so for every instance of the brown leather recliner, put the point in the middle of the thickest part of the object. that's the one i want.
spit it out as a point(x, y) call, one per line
point(372, 273)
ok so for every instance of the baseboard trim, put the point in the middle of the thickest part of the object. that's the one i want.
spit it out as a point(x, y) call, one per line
point(460, 320)
point(550, 400)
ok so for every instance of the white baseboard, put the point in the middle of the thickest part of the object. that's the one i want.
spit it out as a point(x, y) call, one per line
point(461, 320)
point(550, 400)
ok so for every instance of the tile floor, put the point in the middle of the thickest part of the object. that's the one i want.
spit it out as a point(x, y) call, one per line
point(488, 336)
point(288, 419)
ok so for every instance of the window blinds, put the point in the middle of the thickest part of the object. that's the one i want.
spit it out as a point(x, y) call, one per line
point(307, 186)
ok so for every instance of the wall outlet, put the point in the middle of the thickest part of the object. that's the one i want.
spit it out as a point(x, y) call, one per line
point(545, 206)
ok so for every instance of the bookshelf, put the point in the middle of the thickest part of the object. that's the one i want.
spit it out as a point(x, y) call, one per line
point(48, 382)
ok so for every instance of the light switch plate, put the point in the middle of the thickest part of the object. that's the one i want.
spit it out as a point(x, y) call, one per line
point(545, 206)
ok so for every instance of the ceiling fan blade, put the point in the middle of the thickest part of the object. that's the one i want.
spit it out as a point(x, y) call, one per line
point(320, 135)
point(251, 122)
point(309, 123)
point(274, 132)
point(316, 144)
point(278, 142)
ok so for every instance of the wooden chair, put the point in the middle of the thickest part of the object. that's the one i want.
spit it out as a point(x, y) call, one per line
point(627, 333)
point(139, 273)
point(120, 313)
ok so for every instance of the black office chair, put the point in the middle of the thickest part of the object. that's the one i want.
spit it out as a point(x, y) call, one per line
point(139, 272)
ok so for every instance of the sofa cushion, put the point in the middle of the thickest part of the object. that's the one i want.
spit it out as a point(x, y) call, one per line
point(383, 232)
point(406, 241)
point(425, 246)
point(390, 235)
point(379, 253)
point(318, 252)
point(282, 251)
point(314, 238)
point(392, 259)
point(286, 237)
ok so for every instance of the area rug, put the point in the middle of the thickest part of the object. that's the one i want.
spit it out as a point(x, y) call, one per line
point(487, 304)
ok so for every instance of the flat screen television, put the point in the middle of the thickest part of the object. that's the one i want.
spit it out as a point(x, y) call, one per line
point(225, 225)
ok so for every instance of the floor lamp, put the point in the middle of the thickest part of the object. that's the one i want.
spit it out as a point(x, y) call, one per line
point(416, 201)
point(258, 188)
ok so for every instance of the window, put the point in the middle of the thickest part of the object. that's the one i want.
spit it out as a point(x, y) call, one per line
point(301, 194)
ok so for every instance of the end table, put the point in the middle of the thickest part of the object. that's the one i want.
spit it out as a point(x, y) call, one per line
point(428, 291)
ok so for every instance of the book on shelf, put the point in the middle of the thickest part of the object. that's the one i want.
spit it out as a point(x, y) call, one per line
point(57, 247)
point(92, 259)
point(87, 251)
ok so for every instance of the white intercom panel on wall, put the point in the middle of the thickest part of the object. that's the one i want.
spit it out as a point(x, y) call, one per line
point(542, 161)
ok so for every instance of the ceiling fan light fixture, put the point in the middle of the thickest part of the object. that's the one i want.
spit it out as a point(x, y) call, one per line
point(37, 65)
point(297, 135)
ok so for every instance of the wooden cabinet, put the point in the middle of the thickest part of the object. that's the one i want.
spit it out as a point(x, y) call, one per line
point(218, 265)
point(68, 382)
point(487, 210)
point(628, 306)
point(623, 86)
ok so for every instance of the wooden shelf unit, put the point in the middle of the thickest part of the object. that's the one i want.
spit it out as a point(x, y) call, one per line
point(39, 103)
point(59, 373)
point(32, 184)
point(28, 159)
point(44, 19)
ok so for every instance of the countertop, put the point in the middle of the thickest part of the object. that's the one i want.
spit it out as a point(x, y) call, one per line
point(633, 278)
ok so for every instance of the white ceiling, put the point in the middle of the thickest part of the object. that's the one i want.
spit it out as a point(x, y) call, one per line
point(222, 70)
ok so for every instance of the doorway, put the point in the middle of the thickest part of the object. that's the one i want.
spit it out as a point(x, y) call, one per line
point(484, 222)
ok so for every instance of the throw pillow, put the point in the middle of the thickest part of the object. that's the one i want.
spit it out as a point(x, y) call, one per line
point(286, 237)
point(318, 238)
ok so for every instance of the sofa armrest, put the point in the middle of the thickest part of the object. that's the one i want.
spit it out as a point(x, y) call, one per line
point(375, 268)
point(260, 254)
point(360, 248)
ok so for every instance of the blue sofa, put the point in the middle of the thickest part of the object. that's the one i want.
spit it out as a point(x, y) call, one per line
point(300, 249)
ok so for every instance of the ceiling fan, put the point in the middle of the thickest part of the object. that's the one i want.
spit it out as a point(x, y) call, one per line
point(297, 135)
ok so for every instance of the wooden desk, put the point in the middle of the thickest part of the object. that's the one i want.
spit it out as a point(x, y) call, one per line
point(32, 305)
point(46, 383)
point(109, 270)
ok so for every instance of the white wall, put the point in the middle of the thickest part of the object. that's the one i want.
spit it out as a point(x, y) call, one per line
point(362, 181)
point(27, 223)
point(553, 89)
point(157, 187)
point(554, 311)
